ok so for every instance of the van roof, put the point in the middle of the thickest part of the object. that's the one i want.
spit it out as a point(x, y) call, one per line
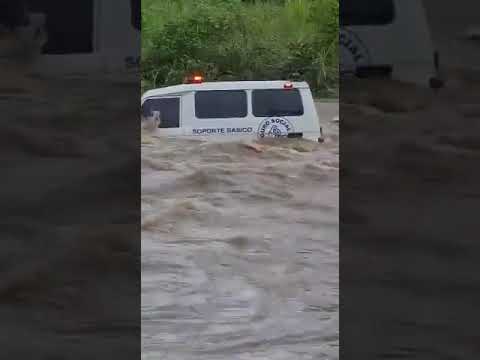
point(228, 85)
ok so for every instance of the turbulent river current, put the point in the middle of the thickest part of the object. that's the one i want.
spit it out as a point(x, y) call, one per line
point(240, 249)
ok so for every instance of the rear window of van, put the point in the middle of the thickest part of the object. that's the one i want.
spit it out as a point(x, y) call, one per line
point(169, 109)
point(277, 102)
point(366, 12)
point(220, 104)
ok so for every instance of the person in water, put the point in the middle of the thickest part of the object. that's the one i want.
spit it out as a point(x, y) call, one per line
point(151, 123)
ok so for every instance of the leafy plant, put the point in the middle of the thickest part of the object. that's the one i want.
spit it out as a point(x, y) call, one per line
point(241, 40)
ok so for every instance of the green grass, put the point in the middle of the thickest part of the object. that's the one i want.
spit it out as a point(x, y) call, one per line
point(235, 40)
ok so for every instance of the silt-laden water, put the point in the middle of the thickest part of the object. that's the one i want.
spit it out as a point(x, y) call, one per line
point(240, 249)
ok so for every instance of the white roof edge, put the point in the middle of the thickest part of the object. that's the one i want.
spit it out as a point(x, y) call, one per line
point(227, 85)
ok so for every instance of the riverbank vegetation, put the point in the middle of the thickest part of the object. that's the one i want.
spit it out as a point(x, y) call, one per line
point(241, 40)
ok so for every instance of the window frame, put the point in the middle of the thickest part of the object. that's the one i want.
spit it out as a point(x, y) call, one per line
point(246, 112)
point(280, 90)
point(385, 22)
point(179, 108)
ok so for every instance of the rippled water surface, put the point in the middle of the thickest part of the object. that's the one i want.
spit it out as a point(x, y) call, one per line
point(69, 267)
point(240, 249)
point(409, 191)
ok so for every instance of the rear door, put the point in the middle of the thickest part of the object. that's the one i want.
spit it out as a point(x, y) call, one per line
point(170, 114)
point(279, 112)
point(366, 36)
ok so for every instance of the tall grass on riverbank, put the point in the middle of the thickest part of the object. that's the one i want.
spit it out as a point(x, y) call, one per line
point(235, 40)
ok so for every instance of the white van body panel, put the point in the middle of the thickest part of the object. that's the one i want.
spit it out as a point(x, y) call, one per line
point(404, 44)
point(244, 127)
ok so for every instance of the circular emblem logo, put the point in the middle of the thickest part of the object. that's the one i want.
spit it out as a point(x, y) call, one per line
point(275, 127)
point(353, 53)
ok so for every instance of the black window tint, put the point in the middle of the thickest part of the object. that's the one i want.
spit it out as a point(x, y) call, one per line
point(69, 25)
point(366, 12)
point(220, 104)
point(169, 111)
point(277, 102)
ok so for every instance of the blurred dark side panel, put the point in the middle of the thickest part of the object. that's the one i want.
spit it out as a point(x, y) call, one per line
point(70, 189)
point(409, 194)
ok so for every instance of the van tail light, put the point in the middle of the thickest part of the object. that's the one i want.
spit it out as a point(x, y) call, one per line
point(436, 83)
point(288, 85)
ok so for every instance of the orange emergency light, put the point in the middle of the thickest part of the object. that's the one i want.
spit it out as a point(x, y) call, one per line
point(194, 79)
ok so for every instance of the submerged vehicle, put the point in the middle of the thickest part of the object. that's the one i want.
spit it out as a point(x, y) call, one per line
point(388, 39)
point(234, 109)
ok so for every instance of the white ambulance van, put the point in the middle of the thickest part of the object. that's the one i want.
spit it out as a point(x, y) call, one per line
point(230, 110)
point(387, 38)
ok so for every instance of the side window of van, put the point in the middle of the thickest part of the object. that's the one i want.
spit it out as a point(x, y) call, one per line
point(169, 111)
point(277, 102)
point(220, 104)
point(366, 12)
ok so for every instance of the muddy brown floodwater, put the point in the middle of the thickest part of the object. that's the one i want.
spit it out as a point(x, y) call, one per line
point(409, 224)
point(240, 249)
point(70, 274)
